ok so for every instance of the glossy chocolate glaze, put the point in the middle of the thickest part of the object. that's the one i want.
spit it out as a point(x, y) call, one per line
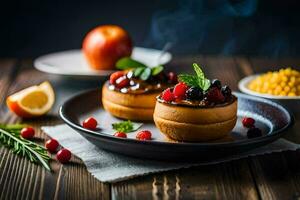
point(138, 86)
point(198, 104)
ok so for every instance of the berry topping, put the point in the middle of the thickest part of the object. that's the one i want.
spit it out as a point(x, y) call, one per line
point(180, 90)
point(63, 156)
point(27, 132)
point(143, 135)
point(226, 91)
point(254, 132)
point(215, 95)
point(172, 77)
point(90, 123)
point(194, 93)
point(161, 77)
point(52, 145)
point(120, 134)
point(129, 74)
point(248, 122)
point(167, 95)
point(216, 83)
point(121, 82)
point(114, 76)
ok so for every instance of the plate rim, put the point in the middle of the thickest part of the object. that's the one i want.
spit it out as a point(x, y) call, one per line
point(270, 137)
point(244, 81)
point(39, 65)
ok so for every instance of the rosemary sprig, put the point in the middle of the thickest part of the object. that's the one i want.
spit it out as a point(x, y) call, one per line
point(10, 137)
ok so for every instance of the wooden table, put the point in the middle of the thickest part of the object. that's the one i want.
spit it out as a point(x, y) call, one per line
point(272, 176)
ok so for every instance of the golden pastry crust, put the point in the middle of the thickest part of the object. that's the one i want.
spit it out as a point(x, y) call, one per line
point(195, 124)
point(137, 107)
point(196, 115)
point(146, 100)
point(125, 112)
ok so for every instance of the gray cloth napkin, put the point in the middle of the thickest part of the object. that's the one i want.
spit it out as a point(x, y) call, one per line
point(111, 167)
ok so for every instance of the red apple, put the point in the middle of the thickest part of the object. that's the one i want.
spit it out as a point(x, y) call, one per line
point(105, 45)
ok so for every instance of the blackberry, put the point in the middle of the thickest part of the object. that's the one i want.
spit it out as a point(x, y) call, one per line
point(254, 132)
point(216, 83)
point(214, 95)
point(194, 93)
point(226, 91)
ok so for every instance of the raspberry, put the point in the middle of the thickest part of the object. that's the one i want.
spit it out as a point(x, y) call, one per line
point(114, 76)
point(121, 82)
point(215, 95)
point(143, 135)
point(167, 95)
point(180, 90)
point(216, 83)
point(248, 122)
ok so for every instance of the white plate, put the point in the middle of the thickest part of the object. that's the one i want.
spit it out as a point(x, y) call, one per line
point(243, 86)
point(73, 63)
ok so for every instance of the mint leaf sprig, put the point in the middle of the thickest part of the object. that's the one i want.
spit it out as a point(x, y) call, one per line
point(139, 69)
point(10, 137)
point(126, 126)
point(198, 80)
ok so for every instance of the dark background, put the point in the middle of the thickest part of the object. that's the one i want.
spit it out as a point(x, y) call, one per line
point(245, 27)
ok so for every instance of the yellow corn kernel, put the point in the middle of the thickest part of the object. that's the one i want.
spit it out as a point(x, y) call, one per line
point(282, 82)
point(282, 93)
point(286, 89)
point(291, 94)
point(282, 79)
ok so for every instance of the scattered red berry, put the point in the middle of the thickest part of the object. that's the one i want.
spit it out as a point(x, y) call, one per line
point(254, 132)
point(215, 95)
point(63, 156)
point(52, 145)
point(167, 95)
point(114, 76)
point(27, 132)
point(121, 82)
point(120, 134)
point(248, 122)
point(180, 90)
point(90, 123)
point(172, 77)
point(143, 135)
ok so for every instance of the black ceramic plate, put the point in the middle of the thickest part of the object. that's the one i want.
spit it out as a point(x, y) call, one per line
point(270, 117)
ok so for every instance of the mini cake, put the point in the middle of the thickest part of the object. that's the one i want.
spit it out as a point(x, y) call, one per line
point(131, 93)
point(196, 109)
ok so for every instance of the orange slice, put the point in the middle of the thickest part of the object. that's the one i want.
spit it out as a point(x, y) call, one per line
point(33, 101)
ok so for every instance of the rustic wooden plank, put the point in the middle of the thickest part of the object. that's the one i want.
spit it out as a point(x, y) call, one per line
point(222, 181)
point(276, 175)
point(293, 162)
point(273, 177)
point(8, 69)
point(23, 180)
point(230, 180)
